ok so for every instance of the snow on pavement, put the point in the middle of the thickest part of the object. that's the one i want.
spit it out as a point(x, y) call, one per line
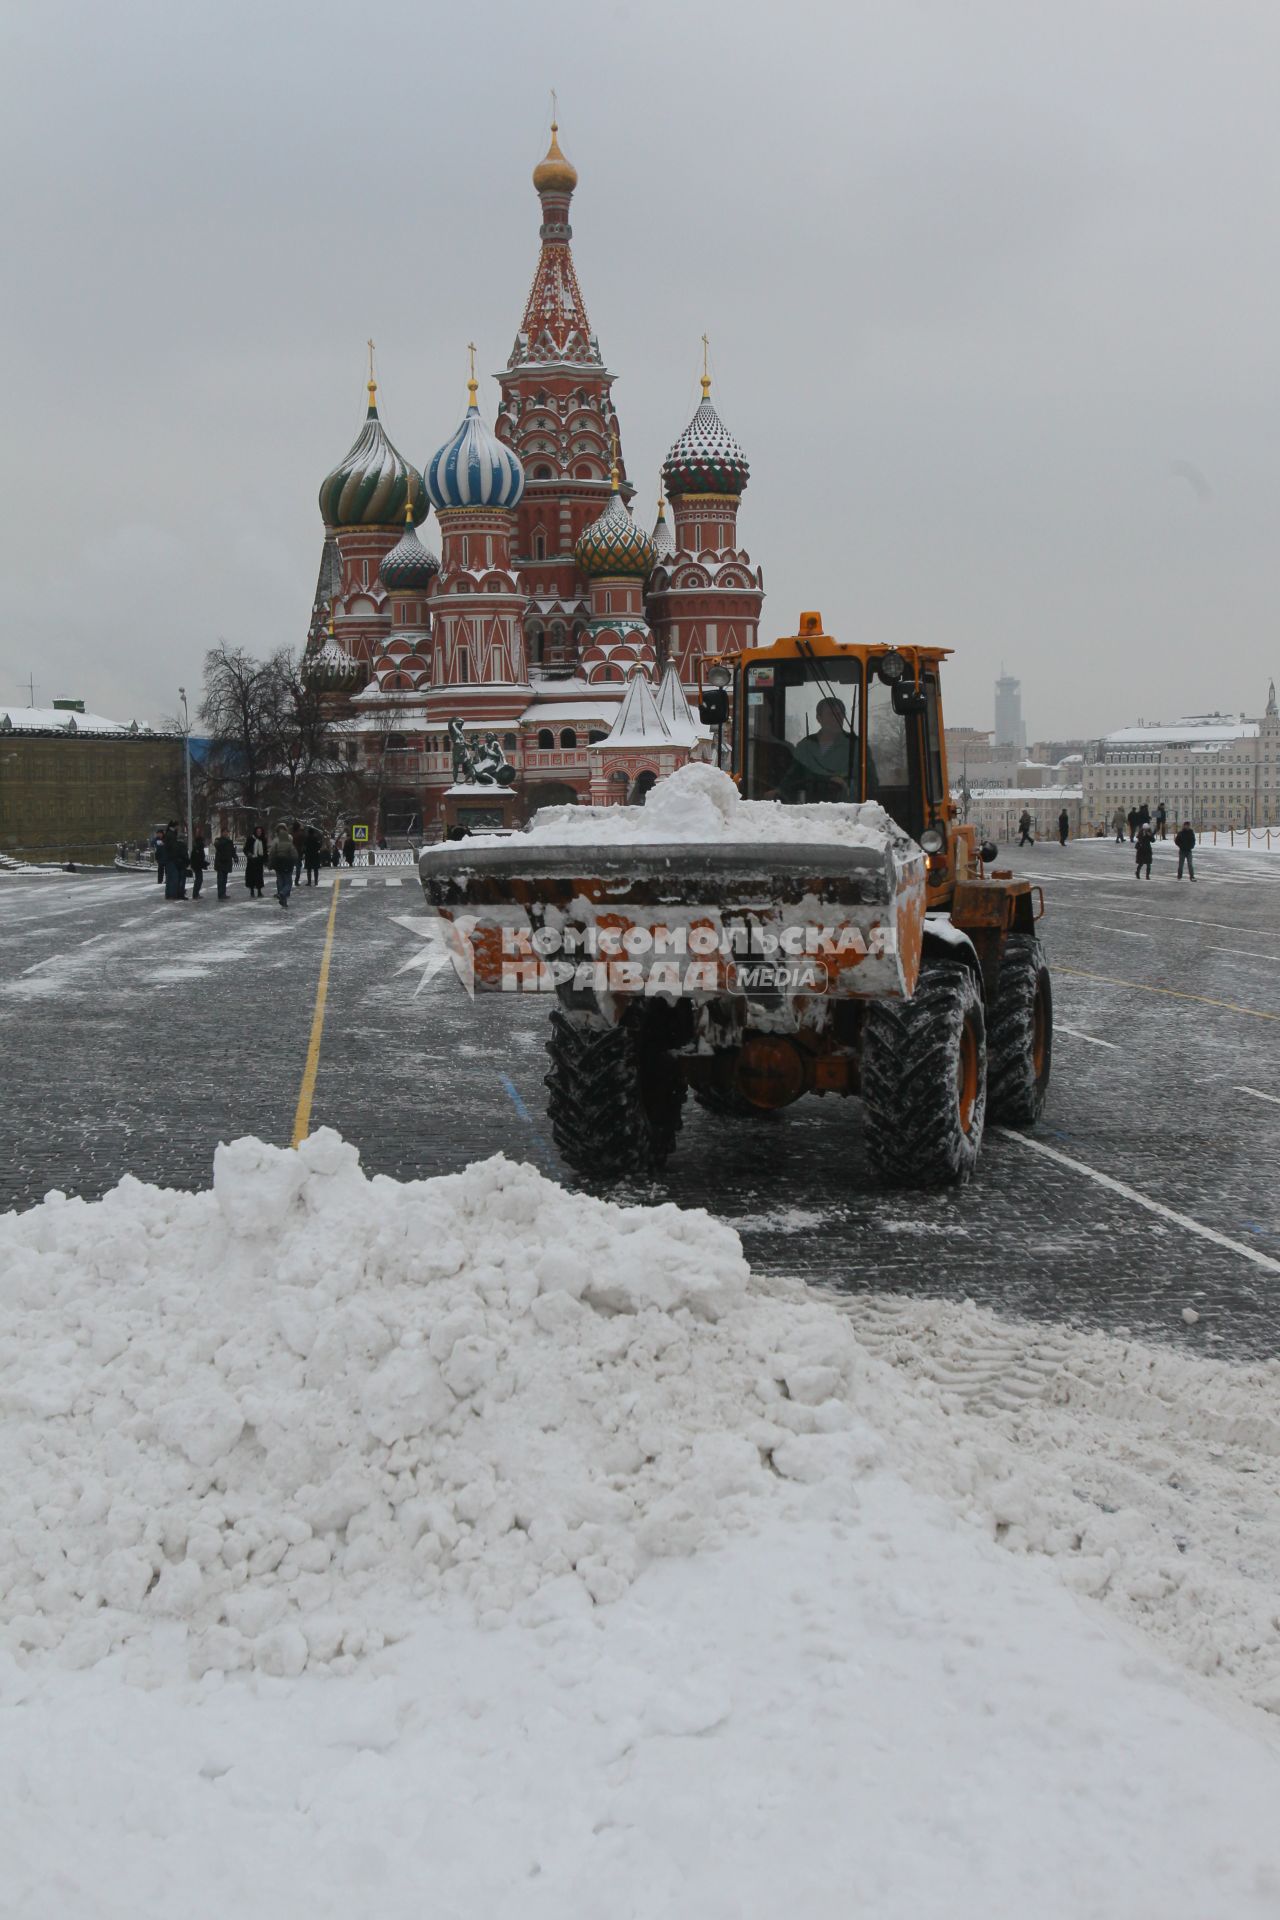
point(497, 1550)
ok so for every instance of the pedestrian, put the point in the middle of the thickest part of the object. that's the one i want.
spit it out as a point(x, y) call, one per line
point(157, 844)
point(199, 861)
point(1117, 823)
point(1064, 827)
point(1144, 815)
point(299, 849)
point(1132, 817)
point(1142, 864)
point(335, 851)
point(1162, 819)
point(281, 856)
point(311, 848)
point(255, 861)
point(176, 855)
point(349, 849)
point(224, 858)
point(1024, 829)
point(1184, 840)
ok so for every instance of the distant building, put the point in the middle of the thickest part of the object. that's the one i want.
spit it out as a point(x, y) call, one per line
point(1207, 768)
point(1010, 729)
point(73, 785)
point(995, 811)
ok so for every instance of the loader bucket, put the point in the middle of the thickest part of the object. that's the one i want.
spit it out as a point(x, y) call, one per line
point(718, 910)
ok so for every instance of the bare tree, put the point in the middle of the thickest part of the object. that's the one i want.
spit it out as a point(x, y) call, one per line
point(239, 712)
point(273, 744)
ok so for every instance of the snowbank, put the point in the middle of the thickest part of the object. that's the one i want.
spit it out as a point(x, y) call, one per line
point(671, 1634)
point(698, 803)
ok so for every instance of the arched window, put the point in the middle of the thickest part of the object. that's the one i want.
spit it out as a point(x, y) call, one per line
point(546, 739)
point(508, 743)
point(464, 663)
point(568, 738)
point(542, 472)
point(539, 546)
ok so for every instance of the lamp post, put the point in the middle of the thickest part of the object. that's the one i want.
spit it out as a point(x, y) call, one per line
point(186, 743)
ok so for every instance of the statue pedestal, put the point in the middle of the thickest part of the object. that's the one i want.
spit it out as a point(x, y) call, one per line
point(478, 809)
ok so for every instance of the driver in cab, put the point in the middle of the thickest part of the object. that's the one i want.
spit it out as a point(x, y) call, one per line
point(821, 763)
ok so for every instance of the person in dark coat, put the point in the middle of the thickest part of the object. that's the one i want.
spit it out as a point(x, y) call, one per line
point(224, 858)
point(1144, 815)
point(312, 844)
point(1064, 827)
point(1024, 829)
point(349, 851)
point(1184, 840)
point(1133, 824)
point(255, 862)
point(157, 845)
point(199, 861)
point(1145, 842)
point(1162, 819)
point(299, 849)
point(176, 854)
point(281, 854)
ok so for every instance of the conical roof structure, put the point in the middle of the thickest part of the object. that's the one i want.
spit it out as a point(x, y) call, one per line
point(678, 716)
point(639, 724)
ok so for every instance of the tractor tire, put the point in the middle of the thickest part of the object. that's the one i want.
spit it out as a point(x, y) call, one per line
point(924, 1080)
point(615, 1104)
point(1020, 1035)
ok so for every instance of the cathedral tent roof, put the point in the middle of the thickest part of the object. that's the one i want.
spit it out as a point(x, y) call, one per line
point(678, 716)
point(639, 724)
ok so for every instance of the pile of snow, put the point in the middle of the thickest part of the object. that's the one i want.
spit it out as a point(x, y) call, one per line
point(698, 803)
point(281, 1412)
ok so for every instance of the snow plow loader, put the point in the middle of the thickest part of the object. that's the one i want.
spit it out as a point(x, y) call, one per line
point(821, 923)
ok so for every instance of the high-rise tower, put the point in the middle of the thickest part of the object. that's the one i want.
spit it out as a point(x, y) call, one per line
point(557, 415)
point(1011, 728)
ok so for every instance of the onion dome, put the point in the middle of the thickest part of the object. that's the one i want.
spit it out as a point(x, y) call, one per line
point(613, 546)
point(555, 174)
point(409, 567)
point(661, 539)
point(706, 458)
point(473, 469)
point(331, 668)
point(374, 484)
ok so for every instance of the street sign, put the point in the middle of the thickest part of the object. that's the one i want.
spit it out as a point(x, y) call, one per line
point(360, 834)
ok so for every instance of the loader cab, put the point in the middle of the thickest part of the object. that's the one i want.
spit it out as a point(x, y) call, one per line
point(817, 719)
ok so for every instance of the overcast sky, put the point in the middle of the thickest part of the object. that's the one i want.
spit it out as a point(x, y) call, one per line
point(992, 290)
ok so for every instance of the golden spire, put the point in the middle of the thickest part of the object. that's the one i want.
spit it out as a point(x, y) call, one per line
point(473, 385)
point(614, 475)
point(372, 383)
point(662, 506)
point(706, 377)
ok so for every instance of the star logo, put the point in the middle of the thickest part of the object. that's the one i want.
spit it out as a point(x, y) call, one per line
point(446, 947)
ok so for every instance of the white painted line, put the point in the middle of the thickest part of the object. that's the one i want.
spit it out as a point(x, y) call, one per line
point(359, 880)
point(394, 880)
point(1247, 953)
point(1126, 933)
point(1183, 1220)
point(1091, 1038)
point(1258, 1095)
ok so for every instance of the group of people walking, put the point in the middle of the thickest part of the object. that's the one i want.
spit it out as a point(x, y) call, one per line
point(290, 849)
point(1027, 839)
point(1145, 828)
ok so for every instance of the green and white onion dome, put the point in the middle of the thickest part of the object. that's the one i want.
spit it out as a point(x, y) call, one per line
point(613, 546)
point(706, 458)
point(374, 484)
point(332, 668)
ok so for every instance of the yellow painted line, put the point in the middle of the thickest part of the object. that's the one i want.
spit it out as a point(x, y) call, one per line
point(302, 1117)
point(1171, 993)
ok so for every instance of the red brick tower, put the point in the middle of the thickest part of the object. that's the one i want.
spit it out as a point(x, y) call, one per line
point(557, 414)
point(705, 597)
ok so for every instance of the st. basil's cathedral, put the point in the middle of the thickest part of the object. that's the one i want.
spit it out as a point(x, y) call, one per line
point(550, 625)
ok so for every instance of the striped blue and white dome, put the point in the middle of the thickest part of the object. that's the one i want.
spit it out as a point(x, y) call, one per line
point(473, 469)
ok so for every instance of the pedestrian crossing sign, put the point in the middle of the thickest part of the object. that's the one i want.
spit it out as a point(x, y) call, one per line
point(360, 835)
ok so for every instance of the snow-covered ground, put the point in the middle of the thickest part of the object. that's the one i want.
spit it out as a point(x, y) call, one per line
point(470, 1547)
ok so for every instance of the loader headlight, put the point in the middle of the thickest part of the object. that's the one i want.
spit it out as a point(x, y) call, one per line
point(891, 666)
point(718, 677)
point(932, 840)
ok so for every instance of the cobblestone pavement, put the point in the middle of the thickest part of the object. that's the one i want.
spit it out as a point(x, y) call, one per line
point(136, 1033)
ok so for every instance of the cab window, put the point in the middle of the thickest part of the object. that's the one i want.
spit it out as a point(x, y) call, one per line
point(802, 731)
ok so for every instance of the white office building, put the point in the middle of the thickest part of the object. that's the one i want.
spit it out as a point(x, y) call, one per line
point(1208, 768)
